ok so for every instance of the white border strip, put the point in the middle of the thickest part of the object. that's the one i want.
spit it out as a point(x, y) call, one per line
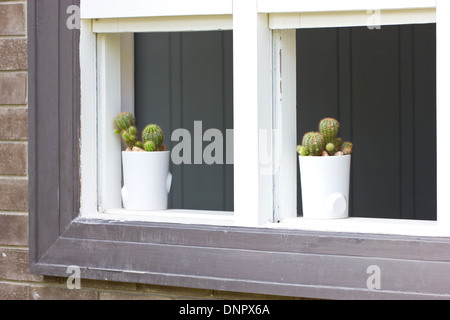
point(101, 9)
point(163, 24)
point(278, 6)
point(370, 18)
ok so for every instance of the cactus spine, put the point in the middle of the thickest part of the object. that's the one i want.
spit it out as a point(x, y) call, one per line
point(152, 138)
point(314, 143)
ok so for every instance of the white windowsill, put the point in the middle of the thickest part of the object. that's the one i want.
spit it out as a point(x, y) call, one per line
point(366, 226)
point(220, 218)
point(179, 216)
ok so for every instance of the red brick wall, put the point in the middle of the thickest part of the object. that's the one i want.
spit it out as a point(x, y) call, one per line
point(15, 281)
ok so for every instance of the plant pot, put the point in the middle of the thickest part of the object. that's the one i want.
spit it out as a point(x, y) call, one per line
point(147, 180)
point(325, 185)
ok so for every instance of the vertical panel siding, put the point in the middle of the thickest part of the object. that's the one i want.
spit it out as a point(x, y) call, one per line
point(53, 122)
point(375, 108)
point(182, 78)
point(425, 120)
point(381, 85)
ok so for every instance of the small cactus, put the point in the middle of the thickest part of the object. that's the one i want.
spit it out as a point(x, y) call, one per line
point(139, 144)
point(347, 148)
point(331, 148)
point(329, 129)
point(150, 146)
point(124, 124)
point(129, 137)
point(314, 143)
point(123, 121)
point(338, 143)
point(152, 138)
point(302, 151)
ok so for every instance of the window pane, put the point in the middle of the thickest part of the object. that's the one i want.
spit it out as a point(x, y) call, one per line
point(182, 79)
point(381, 85)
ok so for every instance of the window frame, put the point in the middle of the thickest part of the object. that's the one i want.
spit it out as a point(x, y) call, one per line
point(314, 264)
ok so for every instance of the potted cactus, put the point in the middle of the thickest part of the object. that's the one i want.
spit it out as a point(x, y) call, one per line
point(146, 176)
point(325, 161)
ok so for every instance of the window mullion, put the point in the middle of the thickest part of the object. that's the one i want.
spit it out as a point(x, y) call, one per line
point(252, 42)
point(285, 126)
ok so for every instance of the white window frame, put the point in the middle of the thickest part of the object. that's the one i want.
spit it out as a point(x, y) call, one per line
point(264, 101)
point(103, 61)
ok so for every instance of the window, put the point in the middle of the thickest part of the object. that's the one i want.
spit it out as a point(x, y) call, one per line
point(252, 195)
point(381, 84)
point(314, 22)
point(292, 257)
point(181, 80)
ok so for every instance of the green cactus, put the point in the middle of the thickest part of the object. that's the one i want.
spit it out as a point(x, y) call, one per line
point(347, 148)
point(338, 144)
point(124, 124)
point(314, 143)
point(123, 121)
point(152, 137)
point(139, 144)
point(331, 148)
point(302, 151)
point(329, 129)
point(129, 137)
point(325, 142)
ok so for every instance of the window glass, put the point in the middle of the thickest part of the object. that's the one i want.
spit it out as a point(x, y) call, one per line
point(380, 82)
point(184, 80)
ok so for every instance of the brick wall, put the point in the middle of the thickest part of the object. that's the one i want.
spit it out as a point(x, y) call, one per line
point(15, 281)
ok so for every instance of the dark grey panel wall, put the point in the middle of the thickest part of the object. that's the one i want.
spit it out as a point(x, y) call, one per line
point(381, 85)
point(182, 78)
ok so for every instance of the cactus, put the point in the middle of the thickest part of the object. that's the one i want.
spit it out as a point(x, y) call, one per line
point(338, 144)
point(123, 121)
point(325, 142)
point(125, 126)
point(129, 137)
point(302, 151)
point(314, 143)
point(347, 148)
point(329, 129)
point(331, 148)
point(139, 144)
point(152, 138)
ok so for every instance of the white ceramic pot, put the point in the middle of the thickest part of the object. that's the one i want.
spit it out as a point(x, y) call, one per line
point(147, 180)
point(325, 185)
